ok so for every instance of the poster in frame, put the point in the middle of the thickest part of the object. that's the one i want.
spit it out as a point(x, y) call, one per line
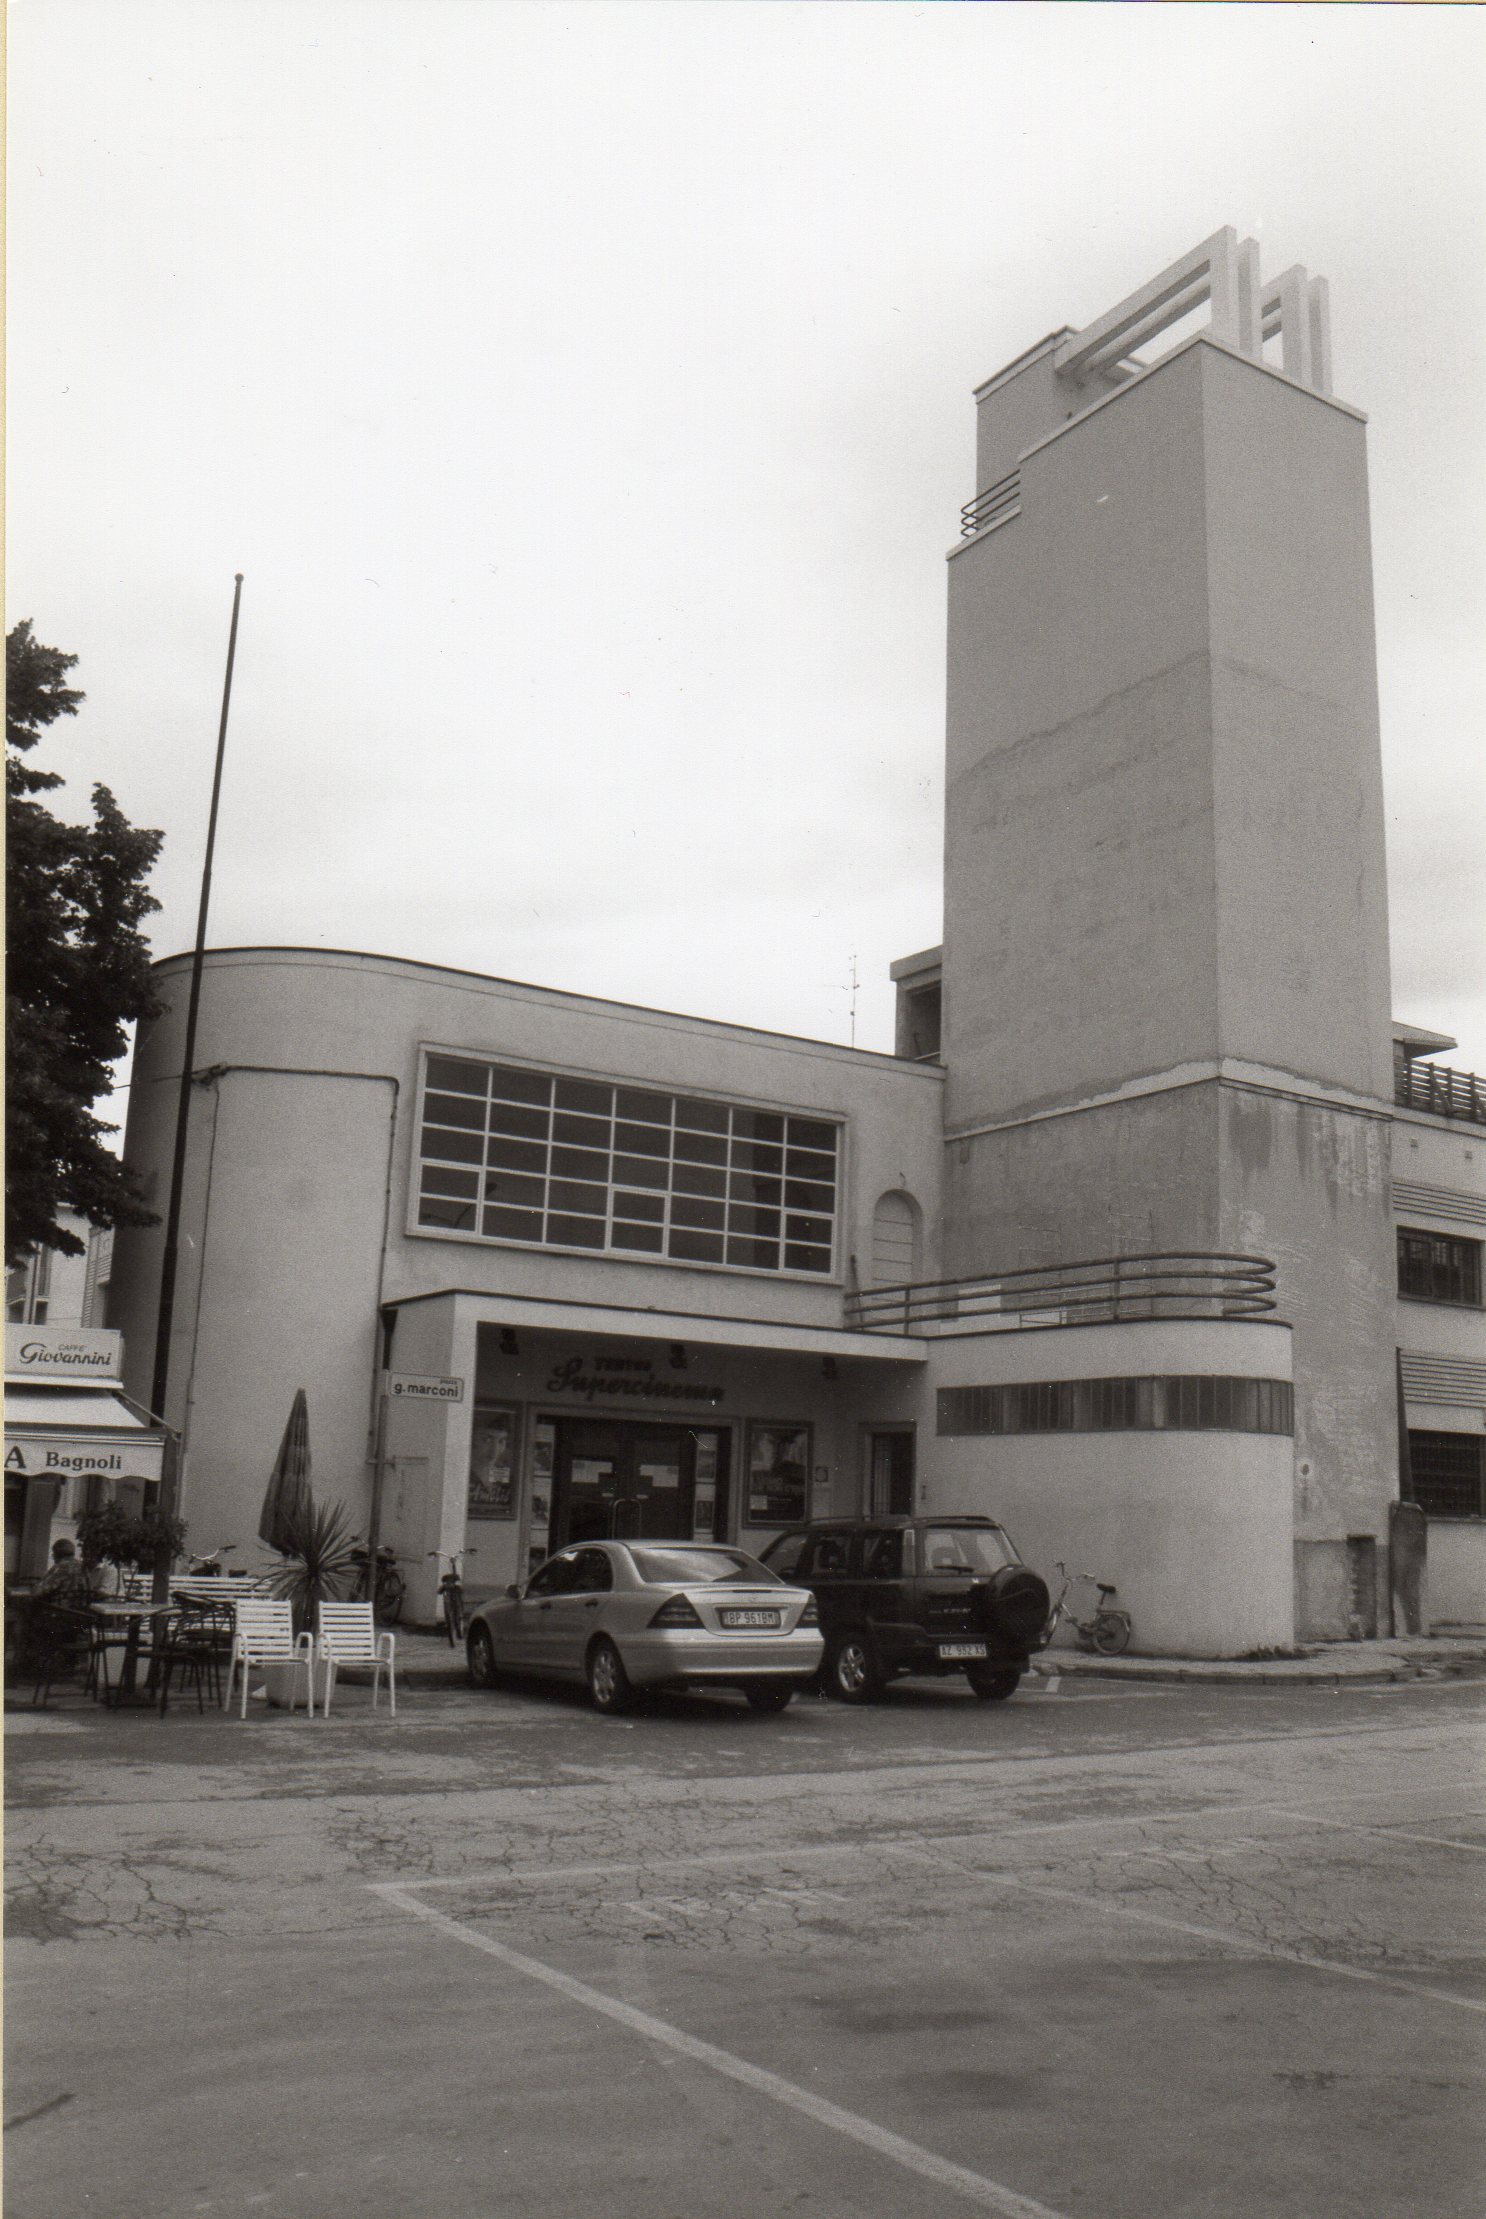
point(779, 1465)
point(492, 1491)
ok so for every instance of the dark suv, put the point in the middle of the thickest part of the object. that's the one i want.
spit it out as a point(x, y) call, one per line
point(939, 1595)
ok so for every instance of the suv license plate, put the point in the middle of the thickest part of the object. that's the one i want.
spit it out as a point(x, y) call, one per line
point(951, 1652)
point(751, 1618)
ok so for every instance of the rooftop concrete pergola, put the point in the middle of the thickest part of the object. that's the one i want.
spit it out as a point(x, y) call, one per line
point(1223, 270)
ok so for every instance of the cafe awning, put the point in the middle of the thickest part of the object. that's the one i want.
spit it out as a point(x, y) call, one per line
point(59, 1432)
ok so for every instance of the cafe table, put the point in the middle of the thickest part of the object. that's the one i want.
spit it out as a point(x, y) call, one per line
point(133, 1616)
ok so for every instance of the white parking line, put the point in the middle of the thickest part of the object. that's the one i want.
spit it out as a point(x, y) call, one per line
point(1390, 1833)
point(1242, 1943)
point(543, 1875)
point(990, 2195)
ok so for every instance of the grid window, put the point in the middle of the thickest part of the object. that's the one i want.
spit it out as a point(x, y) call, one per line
point(1448, 1474)
point(517, 1155)
point(1437, 1267)
point(1158, 1404)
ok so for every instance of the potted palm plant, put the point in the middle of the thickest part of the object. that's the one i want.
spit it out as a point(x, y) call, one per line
point(319, 1566)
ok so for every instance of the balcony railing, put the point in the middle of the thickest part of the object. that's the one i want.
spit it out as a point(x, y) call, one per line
point(1109, 1290)
point(1445, 1093)
point(997, 505)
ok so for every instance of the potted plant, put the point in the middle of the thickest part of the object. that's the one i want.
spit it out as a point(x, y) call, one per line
point(319, 1566)
point(110, 1535)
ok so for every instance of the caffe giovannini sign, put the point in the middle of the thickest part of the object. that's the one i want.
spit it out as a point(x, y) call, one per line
point(62, 1352)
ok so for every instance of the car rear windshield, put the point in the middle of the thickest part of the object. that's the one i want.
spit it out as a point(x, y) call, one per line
point(696, 1567)
point(965, 1549)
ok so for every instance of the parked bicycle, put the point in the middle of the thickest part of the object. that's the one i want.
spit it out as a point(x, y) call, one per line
point(205, 1567)
point(1106, 1628)
point(451, 1596)
point(390, 1588)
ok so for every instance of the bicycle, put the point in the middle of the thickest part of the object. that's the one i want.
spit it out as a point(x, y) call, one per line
point(211, 1565)
point(451, 1594)
point(390, 1588)
point(1106, 1629)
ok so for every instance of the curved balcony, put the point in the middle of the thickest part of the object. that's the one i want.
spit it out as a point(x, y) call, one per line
point(1172, 1283)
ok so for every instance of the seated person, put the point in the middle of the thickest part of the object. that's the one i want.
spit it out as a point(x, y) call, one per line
point(69, 1580)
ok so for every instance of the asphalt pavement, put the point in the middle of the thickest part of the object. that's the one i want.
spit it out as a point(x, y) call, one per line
point(1115, 1949)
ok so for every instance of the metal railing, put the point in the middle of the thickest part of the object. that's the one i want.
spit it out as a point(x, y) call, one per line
point(1445, 1093)
point(1108, 1290)
point(997, 505)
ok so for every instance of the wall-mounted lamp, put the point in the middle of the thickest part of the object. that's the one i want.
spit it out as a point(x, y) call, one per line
point(509, 1345)
point(828, 1367)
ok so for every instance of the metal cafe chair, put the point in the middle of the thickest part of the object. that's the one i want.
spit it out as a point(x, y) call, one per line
point(348, 1634)
point(61, 1644)
point(264, 1634)
point(196, 1642)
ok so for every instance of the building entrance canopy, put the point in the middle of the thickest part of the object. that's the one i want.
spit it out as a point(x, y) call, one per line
point(616, 1321)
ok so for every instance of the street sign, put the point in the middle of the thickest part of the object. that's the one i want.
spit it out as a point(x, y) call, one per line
point(408, 1386)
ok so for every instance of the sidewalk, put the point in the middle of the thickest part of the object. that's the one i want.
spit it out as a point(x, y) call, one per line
point(426, 1660)
point(1323, 1663)
point(423, 1659)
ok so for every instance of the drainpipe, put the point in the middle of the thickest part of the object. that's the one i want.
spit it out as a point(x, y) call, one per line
point(387, 1325)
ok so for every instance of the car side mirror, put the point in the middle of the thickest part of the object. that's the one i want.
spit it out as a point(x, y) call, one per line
point(514, 1592)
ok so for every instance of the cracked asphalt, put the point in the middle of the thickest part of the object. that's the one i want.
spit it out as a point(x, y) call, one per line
point(1112, 1952)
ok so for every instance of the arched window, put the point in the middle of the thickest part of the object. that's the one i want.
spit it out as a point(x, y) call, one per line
point(895, 1240)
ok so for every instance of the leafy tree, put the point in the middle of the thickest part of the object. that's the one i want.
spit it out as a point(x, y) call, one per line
point(78, 973)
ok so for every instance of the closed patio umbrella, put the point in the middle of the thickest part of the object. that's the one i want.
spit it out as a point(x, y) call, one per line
point(288, 1494)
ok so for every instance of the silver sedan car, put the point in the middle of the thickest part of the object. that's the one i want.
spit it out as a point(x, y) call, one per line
point(627, 1615)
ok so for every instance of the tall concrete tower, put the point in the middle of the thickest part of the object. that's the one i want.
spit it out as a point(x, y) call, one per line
point(1165, 968)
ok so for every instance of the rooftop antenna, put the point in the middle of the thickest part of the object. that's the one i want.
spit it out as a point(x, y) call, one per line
point(854, 983)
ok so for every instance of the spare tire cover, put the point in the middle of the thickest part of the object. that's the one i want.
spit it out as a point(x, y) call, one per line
point(1014, 1603)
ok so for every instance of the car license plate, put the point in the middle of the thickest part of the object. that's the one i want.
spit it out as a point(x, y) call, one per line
point(749, 1617)
point(951, 1651)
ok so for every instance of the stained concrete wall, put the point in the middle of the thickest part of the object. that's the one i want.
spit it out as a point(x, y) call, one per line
point(1165, 966)
point(1164, 802)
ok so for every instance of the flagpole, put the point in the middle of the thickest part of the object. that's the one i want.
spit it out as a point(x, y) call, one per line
point(170, 1487)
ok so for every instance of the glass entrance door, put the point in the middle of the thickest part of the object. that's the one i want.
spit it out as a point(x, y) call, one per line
point(618, 1482)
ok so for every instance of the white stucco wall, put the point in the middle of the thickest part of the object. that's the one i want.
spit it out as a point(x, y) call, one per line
point(1193, 1528)
point(302, 1147)
point(1455, 1573)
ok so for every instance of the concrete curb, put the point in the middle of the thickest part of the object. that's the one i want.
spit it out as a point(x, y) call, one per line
point(1357, 1663)
point(425, 1660)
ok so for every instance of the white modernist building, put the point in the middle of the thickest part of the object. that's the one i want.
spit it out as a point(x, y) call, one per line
point(1106, 1248)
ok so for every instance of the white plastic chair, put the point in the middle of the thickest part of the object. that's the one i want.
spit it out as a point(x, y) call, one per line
point(349, 1635)
point(264, 1634)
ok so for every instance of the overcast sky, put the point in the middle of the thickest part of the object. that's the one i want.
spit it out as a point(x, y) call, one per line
point(585, 393)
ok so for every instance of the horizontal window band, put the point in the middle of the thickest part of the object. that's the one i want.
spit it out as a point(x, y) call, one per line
point(1154, 1403)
